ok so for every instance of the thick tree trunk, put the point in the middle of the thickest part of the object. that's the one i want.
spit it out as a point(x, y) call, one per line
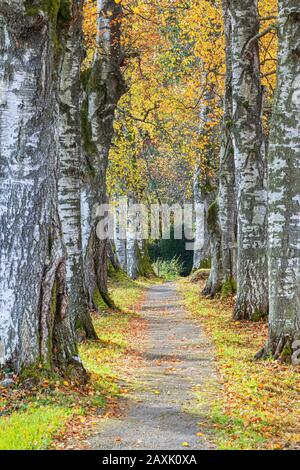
point(34, 321)
point(248, 142)
point(70, 180)
point(227, 190)
point(105, 87)
point(284, 189)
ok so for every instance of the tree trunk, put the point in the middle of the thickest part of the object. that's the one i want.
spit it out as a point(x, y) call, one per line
point(201, 188)
point(283, 185)
point(145, 265)
point(201, 230)
point(132, 247)
point(120, 227)
point(214, 282)
point(70, 180)
point(105, 87)
point(112, 258)
point(34, 320)
point(227, 190)
point(248, 142)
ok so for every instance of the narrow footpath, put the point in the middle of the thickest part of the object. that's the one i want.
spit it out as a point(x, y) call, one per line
point(162, 412)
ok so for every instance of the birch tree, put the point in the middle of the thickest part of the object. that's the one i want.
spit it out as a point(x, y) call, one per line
point(70, 180)
point(284, 190)
point(120, 228)
point(227, 191)
point(249, 156)
point(133, 254)
point(104, 89)
point(34, 320)
point(201, 229)
point(201, 185)
point(214, 282)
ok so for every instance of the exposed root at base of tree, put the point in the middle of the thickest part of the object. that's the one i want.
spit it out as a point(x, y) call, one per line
point(280, 349)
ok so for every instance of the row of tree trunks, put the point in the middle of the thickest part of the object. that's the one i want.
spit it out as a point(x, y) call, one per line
point(42, 278)
point(222, 213)
point(35, 323)
point(249, 156)
point(131, 250)
point(268, 268)
point(242, 195)
point(242, 175)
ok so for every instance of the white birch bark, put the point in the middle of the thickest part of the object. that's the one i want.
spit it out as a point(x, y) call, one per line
point(202, 253)
point(227, 190)
point(120, 234)
point(214, 282)
point(70, 180)
point(248, 142)
point(34, 322)
point(284, 190)
point(105, 87)
point(132, 248)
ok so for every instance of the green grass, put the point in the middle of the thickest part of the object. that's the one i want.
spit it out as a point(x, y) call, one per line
point(45, 409)
point(258, 403)
point(32, 429)
point(168, 269)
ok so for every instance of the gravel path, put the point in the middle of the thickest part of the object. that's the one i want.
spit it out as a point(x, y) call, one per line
point(161, 412)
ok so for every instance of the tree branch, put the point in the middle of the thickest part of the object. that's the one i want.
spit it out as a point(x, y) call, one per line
point(256, 38)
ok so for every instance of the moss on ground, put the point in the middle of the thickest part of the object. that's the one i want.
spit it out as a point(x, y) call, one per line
point(228, 288)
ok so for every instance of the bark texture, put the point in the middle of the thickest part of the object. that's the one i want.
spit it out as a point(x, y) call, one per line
point(201, 229)
point(104, 89)
point(34, 321)
point(248, 143)
point(70, 179)
point(214, 282)
point(132, 246)
point(201, 187)
point(284, 190)
point(227, 190)
point(120, 228)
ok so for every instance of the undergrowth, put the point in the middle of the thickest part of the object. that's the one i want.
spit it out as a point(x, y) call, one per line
point(168, 269)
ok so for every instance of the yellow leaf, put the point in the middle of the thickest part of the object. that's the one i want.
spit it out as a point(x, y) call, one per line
point(186, 444)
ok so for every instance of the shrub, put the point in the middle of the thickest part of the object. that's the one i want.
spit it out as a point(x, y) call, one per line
point(168, 269)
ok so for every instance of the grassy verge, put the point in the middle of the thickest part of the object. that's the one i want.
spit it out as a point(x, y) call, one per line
point(259, 402)
point(39, 410)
